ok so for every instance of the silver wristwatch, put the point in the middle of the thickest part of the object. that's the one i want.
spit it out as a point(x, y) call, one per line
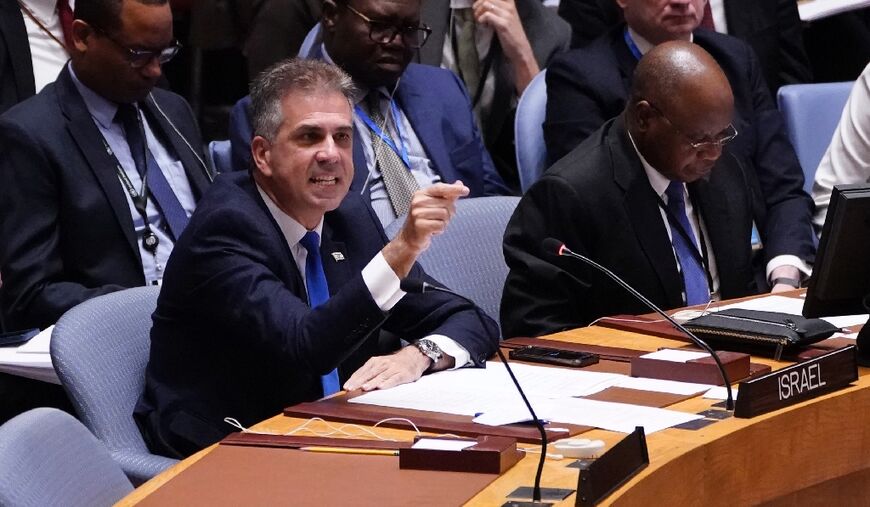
point(429, 349)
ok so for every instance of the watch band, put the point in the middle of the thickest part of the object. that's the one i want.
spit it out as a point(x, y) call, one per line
point(786, 281)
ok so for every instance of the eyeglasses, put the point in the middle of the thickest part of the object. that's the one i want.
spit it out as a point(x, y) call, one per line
point(384, 33)
point(139, 58)
point(722, 138)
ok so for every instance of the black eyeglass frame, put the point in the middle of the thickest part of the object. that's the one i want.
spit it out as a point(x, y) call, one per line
point(721, 142)
point(384, 37)
point(138, 58)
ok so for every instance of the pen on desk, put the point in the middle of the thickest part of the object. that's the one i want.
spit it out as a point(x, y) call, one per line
point(352, 450)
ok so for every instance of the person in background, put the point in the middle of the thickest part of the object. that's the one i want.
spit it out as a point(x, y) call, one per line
point(847, 159)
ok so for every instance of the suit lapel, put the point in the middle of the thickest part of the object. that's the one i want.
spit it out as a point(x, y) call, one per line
point(194, 169)
point(642, 207)
point(422, 111)
point(624, 59)
point(13, 31)
point(360, 166)
point(87, 136)
point(334, 256)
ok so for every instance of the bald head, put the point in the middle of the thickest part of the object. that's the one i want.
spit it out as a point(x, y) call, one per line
point(680, 102)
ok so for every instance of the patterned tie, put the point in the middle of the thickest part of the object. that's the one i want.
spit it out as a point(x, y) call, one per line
point(318, 293)
point(159, 188)
point(707, 20)
point(65, 13)
point(398, 180)
point(694, 276)
point(467, 58)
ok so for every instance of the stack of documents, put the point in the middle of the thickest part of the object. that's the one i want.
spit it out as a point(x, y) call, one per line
point(489, 395)
point(31, 360)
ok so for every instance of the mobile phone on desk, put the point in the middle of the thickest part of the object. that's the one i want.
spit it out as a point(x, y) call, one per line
point(16, 338)
point(558, 357)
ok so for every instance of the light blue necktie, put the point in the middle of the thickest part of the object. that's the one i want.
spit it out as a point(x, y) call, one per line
point(694, 276)
point(318, 293)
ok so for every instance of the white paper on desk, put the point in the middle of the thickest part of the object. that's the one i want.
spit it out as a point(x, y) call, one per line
point(662, 386)
point(39, 344)
point(611, 416)
point(34, 366)
point(793, 306)
point(443, 444)
point(675, 355)
point(719, 393)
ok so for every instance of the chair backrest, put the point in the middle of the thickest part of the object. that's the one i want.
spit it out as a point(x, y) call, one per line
point(220, 155)
point(812, 112)
point(529, 131)
point(468, 257)
point(100, 349)
point(48, 458)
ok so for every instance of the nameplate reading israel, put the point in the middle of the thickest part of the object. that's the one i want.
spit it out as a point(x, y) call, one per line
point(796, 383)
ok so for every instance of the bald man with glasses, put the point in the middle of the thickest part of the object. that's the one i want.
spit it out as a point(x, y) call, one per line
point(649, 195)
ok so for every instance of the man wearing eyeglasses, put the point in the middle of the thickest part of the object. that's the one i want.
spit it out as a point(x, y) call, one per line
point(588, 86)
point(649, 195)
point(100, 170)
point(413, 124)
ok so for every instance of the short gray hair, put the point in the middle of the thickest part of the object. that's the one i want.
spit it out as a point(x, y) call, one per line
point(293, 75)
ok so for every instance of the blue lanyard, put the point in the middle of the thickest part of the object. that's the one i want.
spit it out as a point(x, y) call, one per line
point(631, 45)
point(401, 150)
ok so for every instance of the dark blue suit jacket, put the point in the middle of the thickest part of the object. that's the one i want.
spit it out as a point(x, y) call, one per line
point(588, 86)
point(233, 335)
point(66, 232)
point(16, 67)
point(437, 106)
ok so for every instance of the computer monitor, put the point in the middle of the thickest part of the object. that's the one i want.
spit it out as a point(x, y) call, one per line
point(840, 283)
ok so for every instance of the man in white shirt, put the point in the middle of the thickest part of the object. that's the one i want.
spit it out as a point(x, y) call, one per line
point(34, 36)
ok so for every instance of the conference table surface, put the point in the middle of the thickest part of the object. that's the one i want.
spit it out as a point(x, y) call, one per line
point(814, 453)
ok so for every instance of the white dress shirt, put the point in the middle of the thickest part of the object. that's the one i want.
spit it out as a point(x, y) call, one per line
point(379, 277)
point(847, 159)
point(48, 57)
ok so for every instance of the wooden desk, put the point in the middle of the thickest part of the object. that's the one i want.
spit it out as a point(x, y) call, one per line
point(816, 452)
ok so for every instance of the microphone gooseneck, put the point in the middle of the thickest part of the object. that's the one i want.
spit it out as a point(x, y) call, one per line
point(417, 286)
point(555, 247)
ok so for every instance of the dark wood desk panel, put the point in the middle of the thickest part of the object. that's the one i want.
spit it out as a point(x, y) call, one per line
point(813, 447)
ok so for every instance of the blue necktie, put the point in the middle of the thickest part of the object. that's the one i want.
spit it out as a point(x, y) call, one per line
point(694, 276)
point(159, 188)
point(318, 293)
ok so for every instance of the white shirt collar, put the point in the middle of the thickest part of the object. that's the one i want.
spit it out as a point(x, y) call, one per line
point(292, 230)
point(644, 45)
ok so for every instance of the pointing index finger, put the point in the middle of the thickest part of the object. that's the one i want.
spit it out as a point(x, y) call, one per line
point(443, 190)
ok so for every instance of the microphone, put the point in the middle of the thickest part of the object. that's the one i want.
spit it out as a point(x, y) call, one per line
point(555, 247)
point(417, 286)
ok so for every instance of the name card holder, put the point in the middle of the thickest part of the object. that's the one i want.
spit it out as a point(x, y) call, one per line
point(490, 455)
point(616, 466)
point(699, 371)
point(799, 382)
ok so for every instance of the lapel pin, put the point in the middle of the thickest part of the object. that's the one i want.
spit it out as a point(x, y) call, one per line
point(338, 256)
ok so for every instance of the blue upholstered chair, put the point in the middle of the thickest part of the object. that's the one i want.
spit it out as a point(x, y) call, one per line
point(468, 257)
point(49, 458)
point(100, 349)
point(219, 153)
point(812, 112)
point(529, 131)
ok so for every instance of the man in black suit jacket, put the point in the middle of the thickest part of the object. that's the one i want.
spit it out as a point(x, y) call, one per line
point(608, 199)
point(240, 330)
point(68, 229)
point(16, 68)
point(771, 27)
point(588, 86)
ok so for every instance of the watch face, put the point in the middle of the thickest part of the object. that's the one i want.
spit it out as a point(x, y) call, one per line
point(429, 349)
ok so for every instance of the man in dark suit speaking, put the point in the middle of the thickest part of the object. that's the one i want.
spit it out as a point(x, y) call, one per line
point(278, 290)
point(641, 197)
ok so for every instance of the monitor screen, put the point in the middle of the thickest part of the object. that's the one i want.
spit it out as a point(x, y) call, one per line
point(840, 283)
